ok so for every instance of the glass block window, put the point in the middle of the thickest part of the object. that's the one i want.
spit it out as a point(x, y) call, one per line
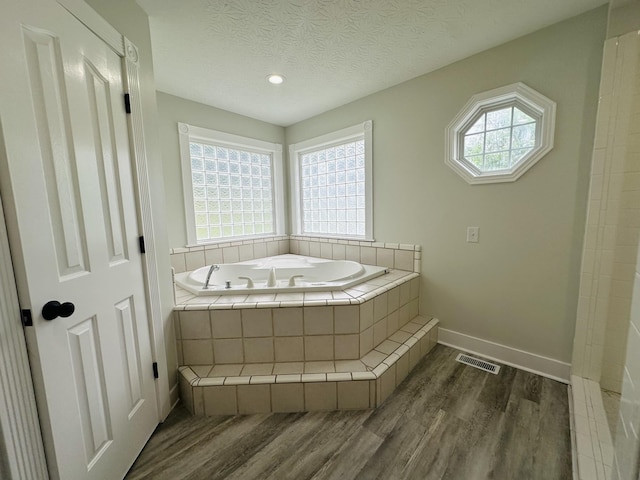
point(499, 139)
point(232, 192)
point(332, 184)
point(232, 185)
point(500, 134)
point(333, 189)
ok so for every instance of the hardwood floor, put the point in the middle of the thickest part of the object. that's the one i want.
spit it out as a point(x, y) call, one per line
point(445, 421)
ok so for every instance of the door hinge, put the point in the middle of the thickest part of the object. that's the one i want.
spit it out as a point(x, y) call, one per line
point(127, 103)
point(141, 242)
point(155, 369)
point(27, 321)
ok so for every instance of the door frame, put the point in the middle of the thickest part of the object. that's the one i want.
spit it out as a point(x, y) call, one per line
point(24, 451)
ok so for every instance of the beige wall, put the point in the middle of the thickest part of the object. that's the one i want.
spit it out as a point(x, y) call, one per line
point(519, 285)
point(132, 21)
point(172, 110)
point(624, 17)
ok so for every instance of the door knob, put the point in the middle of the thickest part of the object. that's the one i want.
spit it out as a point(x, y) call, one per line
point(55, 309)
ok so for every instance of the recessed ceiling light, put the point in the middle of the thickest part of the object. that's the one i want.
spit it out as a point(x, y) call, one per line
point(275, 79)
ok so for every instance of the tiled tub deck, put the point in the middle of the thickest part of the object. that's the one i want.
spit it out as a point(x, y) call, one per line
point(300, 352)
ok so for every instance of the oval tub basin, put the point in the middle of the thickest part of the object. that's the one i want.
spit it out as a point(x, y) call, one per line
point(316, 274)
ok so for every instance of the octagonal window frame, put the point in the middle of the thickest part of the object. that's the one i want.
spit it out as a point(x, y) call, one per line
point(531, 102)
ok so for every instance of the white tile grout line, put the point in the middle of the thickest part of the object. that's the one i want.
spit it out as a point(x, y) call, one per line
point(372, 401)
point(194, 379)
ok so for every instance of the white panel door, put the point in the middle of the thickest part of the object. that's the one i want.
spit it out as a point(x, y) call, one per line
point(69, 173)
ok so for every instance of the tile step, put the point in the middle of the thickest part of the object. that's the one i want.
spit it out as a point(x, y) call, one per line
point(317, 389)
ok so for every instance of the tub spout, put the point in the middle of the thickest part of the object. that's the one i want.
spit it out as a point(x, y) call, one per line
point(292, 280)
point(249, 281)
point(271, 279)
point(214, 268)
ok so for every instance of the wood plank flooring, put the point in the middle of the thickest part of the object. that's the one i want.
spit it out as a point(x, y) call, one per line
point(445, 421)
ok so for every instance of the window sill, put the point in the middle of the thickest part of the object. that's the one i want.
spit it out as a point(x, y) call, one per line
point(355, 238)
point(232, 240)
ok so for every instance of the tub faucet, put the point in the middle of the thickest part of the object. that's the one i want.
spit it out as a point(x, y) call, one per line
point(214, 268)
point(292, 280)
point(249, 281)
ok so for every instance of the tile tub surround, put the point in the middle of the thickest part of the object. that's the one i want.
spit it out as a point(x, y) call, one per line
point(391, 255)
point(317, 326)
point(300, 351)
point(399, 256)
point(186, 259)
point(291, 387)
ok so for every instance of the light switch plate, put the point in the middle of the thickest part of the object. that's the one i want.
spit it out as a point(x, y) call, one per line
point(473, 234)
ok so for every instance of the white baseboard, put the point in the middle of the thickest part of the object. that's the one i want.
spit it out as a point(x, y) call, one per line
point(530, 362)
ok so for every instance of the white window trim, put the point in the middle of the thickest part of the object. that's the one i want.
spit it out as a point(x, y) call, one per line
point(533, 102)
point(186, 133)
point(365, 130)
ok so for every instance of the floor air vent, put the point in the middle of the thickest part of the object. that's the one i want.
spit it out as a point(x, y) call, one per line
point(481, 364)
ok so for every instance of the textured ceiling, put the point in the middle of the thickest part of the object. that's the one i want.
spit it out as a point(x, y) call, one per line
point(218, 52)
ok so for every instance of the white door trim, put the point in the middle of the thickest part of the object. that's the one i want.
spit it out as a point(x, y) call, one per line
point(143, 191)
point(24, 452)
point(94, 22)
point(20, 429)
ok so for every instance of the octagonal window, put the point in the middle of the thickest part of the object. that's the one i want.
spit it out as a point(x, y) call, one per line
point(500, 134)
point(499, 139)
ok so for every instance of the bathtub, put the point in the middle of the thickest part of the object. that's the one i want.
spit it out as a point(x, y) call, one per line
point(278, 274)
